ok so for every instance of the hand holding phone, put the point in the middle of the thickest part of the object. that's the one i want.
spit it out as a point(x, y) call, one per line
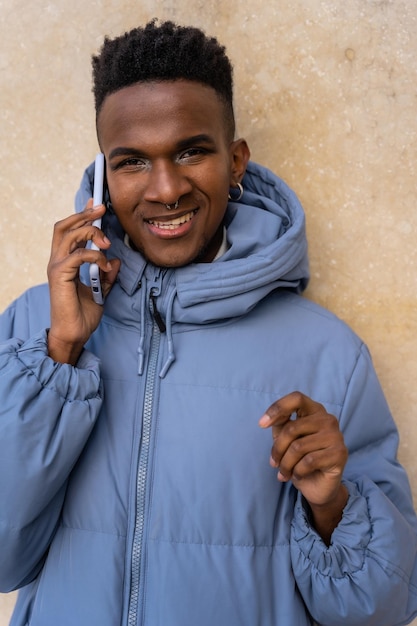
point(97, 199)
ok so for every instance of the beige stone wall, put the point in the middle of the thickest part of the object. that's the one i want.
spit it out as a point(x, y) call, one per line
point(325, 95)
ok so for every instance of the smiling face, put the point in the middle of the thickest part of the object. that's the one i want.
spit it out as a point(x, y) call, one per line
point(166, 142)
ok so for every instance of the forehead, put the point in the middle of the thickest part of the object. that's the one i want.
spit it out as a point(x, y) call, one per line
point(169, 108)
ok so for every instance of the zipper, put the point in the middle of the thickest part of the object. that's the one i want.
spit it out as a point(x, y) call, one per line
point(142, 473)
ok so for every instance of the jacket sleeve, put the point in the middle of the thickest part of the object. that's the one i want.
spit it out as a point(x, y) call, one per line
point(47, 412)
point(368, 574)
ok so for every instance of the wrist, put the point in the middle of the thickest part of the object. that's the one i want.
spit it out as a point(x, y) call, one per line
point(326, 516)
point(63, 351)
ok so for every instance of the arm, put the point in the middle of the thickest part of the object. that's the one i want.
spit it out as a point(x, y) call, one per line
point(47, 413)
point(367, 576)
point(47, 406)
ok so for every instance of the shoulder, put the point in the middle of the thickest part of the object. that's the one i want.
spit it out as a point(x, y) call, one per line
point(309, 348)
point(27, 315)
point(297, 315)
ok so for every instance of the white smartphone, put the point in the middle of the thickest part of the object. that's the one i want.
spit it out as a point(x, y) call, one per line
point(97, 199)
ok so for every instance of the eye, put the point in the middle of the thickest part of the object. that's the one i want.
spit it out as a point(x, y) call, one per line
point(192, 155)
point(132, 164)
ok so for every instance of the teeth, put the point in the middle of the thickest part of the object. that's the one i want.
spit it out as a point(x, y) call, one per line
point(173, 223)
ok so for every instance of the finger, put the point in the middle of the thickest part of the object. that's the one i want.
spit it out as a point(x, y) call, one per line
point(294, 403)
point(297, 431)
point(109, 276)
point(74, 222)
point(294, 428)
point(77, 239)
point(287, 434)
point(67, 269)
point(310, 453)
point(290, 441)
point(329, 461)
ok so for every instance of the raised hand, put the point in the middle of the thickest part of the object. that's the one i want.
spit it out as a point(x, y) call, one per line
point(74, 314)
point(308, 449)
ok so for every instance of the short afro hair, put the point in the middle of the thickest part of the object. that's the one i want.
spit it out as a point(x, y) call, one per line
point(163, 52)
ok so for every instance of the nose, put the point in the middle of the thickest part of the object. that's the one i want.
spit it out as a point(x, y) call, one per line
point(166, 183)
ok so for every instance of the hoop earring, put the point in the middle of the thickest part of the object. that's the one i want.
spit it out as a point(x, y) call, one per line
point(240, 194)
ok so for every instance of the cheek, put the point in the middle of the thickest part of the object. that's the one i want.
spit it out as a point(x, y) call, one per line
point(221, 192)
point(217, 184)
point(121, 196)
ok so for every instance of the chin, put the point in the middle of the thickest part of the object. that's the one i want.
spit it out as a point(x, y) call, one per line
point(178, 260)
point(170, 262)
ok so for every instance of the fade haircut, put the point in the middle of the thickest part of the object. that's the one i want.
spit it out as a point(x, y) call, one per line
point(164, 52)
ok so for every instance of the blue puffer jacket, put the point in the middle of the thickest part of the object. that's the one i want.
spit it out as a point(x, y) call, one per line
point(135, 488)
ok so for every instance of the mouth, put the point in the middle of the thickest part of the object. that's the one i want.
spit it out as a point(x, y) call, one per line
point(174, 223)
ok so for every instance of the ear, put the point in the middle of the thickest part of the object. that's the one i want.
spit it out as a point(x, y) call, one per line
point(240, 155)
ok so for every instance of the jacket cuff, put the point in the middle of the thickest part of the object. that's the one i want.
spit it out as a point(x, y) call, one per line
point(349, 540)
point(70, 382)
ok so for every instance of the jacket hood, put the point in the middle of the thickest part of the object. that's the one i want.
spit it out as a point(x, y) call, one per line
point(267, 250)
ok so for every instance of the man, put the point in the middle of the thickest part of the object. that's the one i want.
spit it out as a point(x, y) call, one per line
point(135, 482)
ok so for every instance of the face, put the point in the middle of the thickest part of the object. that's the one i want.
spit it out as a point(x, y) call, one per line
point(166, 142)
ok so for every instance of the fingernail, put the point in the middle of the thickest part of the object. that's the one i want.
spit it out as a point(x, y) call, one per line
point(265, 421)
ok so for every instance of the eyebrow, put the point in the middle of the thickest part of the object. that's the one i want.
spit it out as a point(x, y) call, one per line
point(195, 140)
point(181, 145)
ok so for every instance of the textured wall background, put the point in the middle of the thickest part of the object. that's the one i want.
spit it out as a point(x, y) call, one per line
point(326, 95)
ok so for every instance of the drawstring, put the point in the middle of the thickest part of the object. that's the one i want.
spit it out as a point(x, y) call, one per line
point(170, 341)
point(168, 323)
point(141, 350)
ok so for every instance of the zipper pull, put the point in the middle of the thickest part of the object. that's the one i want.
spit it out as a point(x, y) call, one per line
point(156, 314)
